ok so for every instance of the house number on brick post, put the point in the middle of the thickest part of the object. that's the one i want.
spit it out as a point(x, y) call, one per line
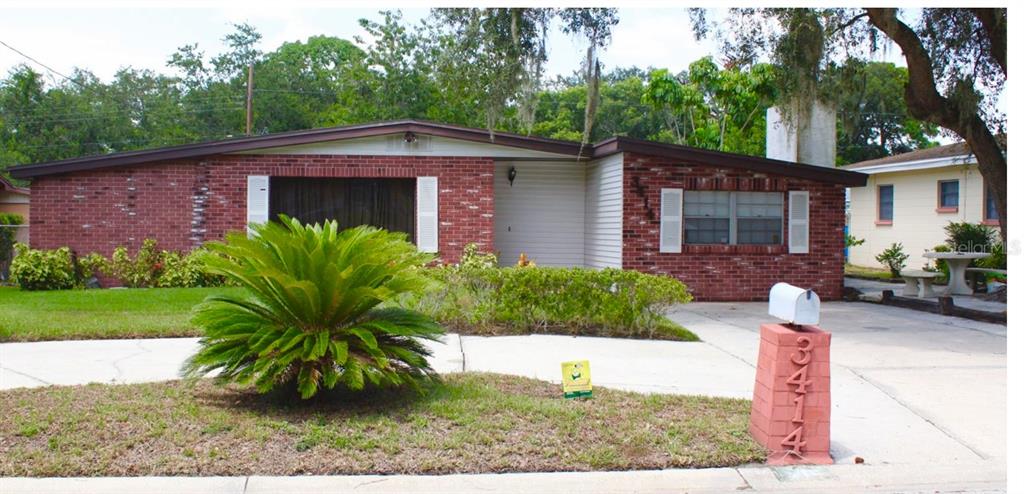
point(790, 415)
point(802, 358)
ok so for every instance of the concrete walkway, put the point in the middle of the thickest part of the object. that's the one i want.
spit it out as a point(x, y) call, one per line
point(920, 397)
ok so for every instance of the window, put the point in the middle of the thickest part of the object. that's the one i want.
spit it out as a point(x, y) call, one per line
point(706, 217)
point(991, 211)
point(758, 218)
point(720, 217)
point(949, 195)
point(885, 198)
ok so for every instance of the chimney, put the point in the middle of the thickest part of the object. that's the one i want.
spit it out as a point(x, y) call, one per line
point(811, 141)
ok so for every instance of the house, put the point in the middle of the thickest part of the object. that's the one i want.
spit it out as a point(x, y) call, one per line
point(911, 197)
point(727, 225)
point(15, 200)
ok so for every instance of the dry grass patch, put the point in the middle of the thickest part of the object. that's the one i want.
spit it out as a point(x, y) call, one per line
point(471, 423)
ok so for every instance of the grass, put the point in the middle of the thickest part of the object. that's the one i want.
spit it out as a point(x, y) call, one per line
point(165, 312)
point(868, 273)
point(93, 314)
point(471, 423)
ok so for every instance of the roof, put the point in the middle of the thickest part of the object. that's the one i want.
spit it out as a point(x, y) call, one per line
point(955, 150)
point(568, 148)
point(7, 186)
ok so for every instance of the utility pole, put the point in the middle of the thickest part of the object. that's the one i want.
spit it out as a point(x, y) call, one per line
point(248, 104)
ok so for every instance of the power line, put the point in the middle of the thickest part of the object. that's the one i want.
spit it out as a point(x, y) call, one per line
point(44, 121)
point(37, 62)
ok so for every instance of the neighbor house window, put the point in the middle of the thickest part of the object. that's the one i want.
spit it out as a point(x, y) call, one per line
point(721, 217)
point(885, 196)
point(991, 211)
point(949, 196)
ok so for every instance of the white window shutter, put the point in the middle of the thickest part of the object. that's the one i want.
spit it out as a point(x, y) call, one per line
point(258, 199)
point(426, 214)
point(671, 220)
point(799, 222)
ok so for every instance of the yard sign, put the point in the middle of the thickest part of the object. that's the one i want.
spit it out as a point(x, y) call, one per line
point(576, 379)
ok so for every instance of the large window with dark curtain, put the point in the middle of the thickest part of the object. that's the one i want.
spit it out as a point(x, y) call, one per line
point(387, 203)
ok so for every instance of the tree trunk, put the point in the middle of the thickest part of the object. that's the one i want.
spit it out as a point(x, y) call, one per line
point(925, 103)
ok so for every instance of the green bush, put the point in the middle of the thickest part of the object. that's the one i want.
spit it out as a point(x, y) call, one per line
point(142, 271)
point(315, 311)
point(610, 302)
point(970, 237)
point(7, 234)
point(940, 264)
point(472, 258)
point(35, 269)
point(894, 258)
point(179, 270)
point(997, 259)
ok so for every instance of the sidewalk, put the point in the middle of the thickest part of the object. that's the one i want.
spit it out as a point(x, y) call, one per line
point(837, 479)
point(920, 397)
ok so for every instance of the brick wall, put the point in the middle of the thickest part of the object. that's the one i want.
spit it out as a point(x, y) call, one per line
point(184, 203)
point(730, 272)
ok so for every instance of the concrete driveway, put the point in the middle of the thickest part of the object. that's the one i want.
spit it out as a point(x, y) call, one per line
point(908, 388)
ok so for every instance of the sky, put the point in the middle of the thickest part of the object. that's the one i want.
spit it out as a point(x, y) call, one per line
point(105, 39)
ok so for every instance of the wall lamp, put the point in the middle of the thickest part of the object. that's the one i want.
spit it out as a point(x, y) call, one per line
point(511, 175)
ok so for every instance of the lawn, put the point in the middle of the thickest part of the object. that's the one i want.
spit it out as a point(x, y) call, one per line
point(93, 314)
point(868, 273)
point(473, 423)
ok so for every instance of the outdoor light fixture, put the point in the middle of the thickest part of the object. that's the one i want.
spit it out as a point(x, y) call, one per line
point(410, 137)
point(511, 175)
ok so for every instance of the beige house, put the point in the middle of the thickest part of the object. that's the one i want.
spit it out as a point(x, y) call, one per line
point(911, 197)
point(15, 200)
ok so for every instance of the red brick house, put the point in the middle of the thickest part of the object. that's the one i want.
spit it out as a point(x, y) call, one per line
point(727, 225)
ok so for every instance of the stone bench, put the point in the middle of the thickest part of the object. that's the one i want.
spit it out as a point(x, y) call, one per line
point(919, 283)
point(976, 277)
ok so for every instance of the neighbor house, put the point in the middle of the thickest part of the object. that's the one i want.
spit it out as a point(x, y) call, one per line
point(15, 200)
point(728, 225)
point(911, 197)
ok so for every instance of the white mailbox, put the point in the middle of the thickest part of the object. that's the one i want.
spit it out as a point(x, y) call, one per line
point(794, 304)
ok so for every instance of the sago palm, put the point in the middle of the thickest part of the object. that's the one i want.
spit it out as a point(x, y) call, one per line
point(314, 310)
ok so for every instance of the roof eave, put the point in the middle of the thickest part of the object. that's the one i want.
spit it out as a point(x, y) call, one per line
point(296, 138)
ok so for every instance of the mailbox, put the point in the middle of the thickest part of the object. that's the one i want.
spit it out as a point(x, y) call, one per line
point(794, 304)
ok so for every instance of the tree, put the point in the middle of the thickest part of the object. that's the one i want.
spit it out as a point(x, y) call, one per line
point(499, 54)
point(956, 65)
point(873, 118)
point(715, 108)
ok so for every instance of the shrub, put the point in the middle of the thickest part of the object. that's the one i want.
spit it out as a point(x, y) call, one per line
point(997, 259)
point(970, 237)
point(940, 264)
point(472, 258)
point(314, 313)
point(894, 258)
point(35, 269)
point(610, 302)
point(7, 234)
point(185, 270)
point(139, 272)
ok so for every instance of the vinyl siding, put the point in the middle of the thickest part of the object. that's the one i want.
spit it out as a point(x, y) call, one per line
point(541, 214)
point(602, 235)
point(915, 222)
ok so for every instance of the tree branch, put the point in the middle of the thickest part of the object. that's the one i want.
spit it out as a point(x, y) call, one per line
point(994, 23)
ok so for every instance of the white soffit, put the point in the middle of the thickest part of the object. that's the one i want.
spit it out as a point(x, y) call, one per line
point(907, 166)
point(395, 145)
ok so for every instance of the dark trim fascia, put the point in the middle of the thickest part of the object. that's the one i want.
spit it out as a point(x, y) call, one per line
point(570, 149)
point(730, 160)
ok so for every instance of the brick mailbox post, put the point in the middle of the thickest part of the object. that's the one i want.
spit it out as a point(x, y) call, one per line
point(792, 400)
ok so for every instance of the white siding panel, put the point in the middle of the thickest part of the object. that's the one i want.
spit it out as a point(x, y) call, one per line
point(602, 237)
point(394, 145)
point(541, 214)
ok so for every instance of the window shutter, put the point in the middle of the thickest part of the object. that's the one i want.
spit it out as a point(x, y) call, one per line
point(426, 214)
point(258, 199)
point(671, 220)
point(799, 222)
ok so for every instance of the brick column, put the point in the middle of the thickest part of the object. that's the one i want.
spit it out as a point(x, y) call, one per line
point(792, 401)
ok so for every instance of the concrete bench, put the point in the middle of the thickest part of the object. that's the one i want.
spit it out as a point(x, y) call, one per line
point(976, 277)
point(919, 283)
